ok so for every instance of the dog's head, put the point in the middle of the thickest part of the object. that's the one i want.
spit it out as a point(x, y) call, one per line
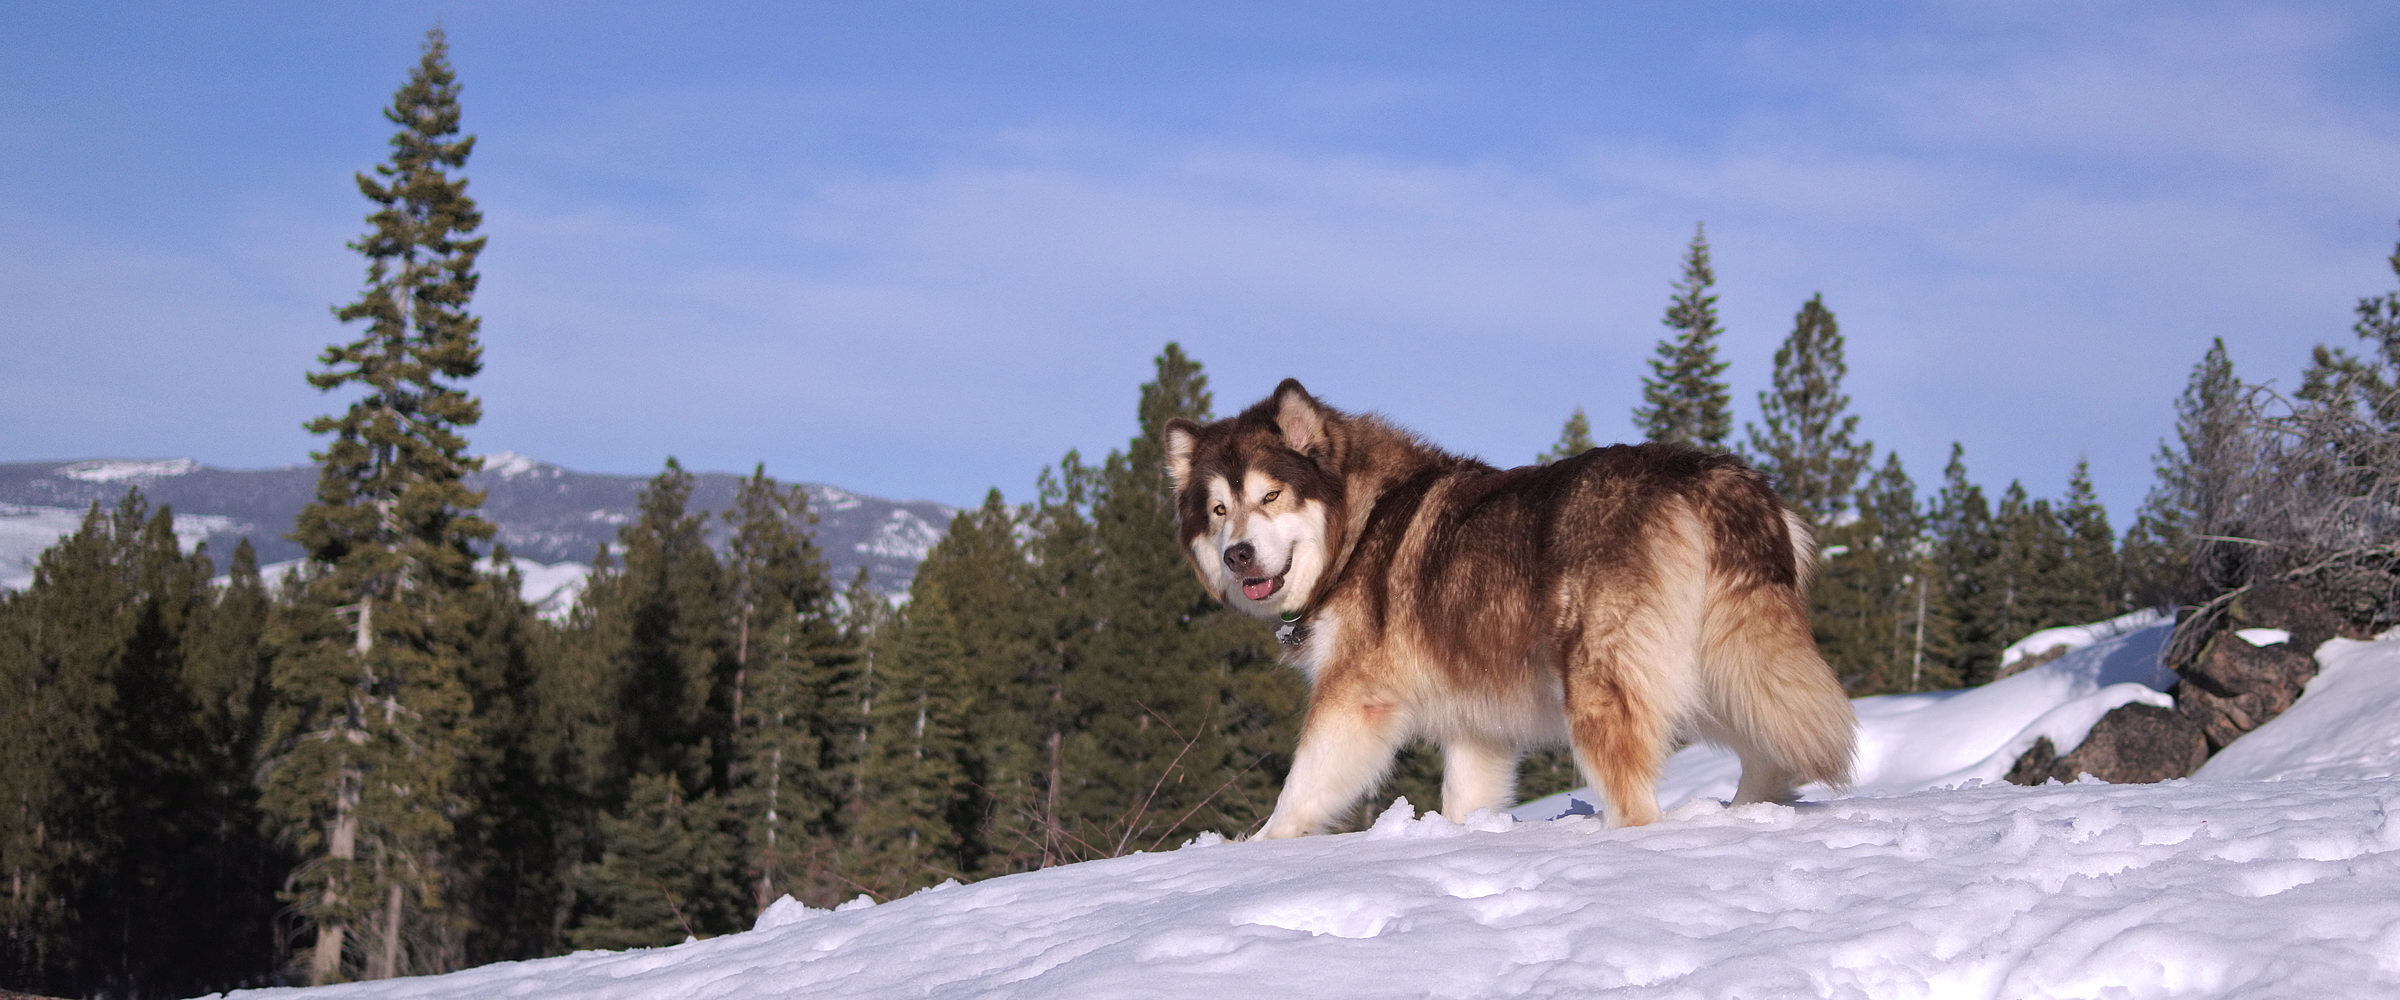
point(1258, 504)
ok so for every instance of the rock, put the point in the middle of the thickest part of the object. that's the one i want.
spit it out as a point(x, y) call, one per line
point(2232, 686)
point(2036, 766)
point(2235, 687)
point(2133, 744)
point(2298, 610)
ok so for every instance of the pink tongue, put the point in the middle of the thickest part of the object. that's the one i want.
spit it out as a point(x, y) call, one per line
point(1257, 590)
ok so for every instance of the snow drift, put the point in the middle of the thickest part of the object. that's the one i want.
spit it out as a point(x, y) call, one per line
point(2276, 873)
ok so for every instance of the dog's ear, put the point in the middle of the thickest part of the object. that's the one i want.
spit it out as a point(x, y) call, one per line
point(1299, 416)
point(1182, 436)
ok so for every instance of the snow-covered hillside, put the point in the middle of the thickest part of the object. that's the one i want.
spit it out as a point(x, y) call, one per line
point(552, 519)
point(2274, 873)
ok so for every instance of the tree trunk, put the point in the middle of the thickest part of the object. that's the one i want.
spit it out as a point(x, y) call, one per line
point(387, 959)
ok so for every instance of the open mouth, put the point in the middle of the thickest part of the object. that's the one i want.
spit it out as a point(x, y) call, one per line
point(1261, 588)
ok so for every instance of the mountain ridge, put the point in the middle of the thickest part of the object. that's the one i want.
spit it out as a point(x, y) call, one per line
point(545, 513)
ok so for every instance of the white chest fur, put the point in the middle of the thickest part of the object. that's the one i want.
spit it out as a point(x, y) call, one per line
point(1309, 643)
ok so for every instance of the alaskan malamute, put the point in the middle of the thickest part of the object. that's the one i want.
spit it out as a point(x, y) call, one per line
point(1611, 602)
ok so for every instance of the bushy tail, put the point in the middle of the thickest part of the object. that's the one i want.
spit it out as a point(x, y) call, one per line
point(1774, 701)
point(1804, 547)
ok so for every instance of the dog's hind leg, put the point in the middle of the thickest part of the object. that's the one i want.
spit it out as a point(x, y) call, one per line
point(1630, 671)
point(1620, 715)
point(1346, 745)
point(1476, 774)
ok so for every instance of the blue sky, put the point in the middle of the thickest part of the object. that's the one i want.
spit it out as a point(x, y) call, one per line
point(922, 249)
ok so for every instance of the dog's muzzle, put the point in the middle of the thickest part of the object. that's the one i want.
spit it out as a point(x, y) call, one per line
point(1241, 560)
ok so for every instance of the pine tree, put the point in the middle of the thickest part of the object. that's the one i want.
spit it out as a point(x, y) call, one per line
point(1964, 633)
point(1685, 399)
point(2203, 477)
point(1062, 560)
point(1181, 694)
point(129, 812)
point(1573, 439)
point(510, 870)
point(1807, 444)
point(667, 641)
point(57, 661)
point(912, 779)
point(2029, 552)
point(370, 705)
point(1902, 574)
point(988, 586)
point(666, 875)
point(792, 693)
point(659, 635)
point(2092, 581)
point(1865, 600)
point(2370, 385)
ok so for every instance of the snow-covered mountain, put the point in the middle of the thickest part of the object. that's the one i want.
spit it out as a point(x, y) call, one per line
point(552, 519)
point(2273, 872)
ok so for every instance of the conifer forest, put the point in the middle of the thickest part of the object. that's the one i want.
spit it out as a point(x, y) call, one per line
point(385, 763)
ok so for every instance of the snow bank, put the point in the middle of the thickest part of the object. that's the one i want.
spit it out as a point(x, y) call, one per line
point(2181, 889)
point(2074, 637)
point(2281, 880)
point(1909, 742)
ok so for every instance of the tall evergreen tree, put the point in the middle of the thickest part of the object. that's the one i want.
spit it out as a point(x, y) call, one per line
point(1964, 635)
point(128, 811)
point(2029, 554)
point(660, 632)
point(1573, 439)
point(667, 872)
point(2091, 584)
point(58, 643)
point(792, 694)
point(988, 585)
point(1685, 399)
point(669, 645)
point(1808, 442)
point(1062, 562)
point(912, 774)
point(509, 876)
point(370, 704)
point(2368, 385)
point(1865, 603)
point(2202, 479)
point(1163, 755)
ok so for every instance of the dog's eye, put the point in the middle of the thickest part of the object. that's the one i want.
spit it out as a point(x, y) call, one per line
point(1219, 510)
point(1270, 497)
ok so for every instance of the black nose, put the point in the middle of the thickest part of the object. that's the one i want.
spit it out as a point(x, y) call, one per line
point(1240, 557)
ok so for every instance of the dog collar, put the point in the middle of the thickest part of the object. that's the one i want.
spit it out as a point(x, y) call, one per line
point(1294, 631)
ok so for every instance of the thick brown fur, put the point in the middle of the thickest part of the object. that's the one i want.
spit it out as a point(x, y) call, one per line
point(1611, 601)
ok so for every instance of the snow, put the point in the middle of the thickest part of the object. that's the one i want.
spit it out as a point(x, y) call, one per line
point(832, 498)
point(2074, 637)
point(2264, 636)
point(28, 530)
point(116, 470)
point(552, 588)
point(1910, 742)
point(510, 465)
point(903, 535)
point(2275, 873)
point(2347, 724)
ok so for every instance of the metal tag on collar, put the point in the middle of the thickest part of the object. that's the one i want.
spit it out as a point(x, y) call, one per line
point(1293, 632)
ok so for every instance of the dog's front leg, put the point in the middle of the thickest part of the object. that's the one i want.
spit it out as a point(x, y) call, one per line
point(1346, 745)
